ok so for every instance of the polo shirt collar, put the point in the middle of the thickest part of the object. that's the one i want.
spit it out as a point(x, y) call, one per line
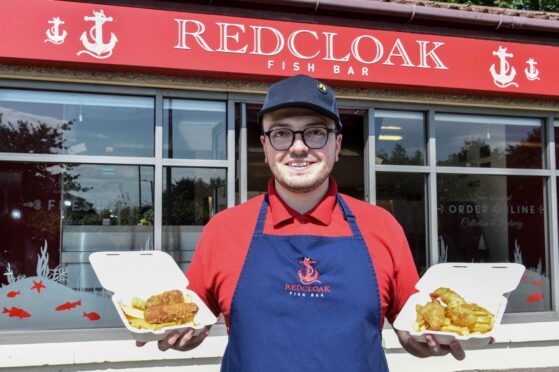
point(322, 212)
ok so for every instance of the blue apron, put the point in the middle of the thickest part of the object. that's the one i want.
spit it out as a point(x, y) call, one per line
point(306, 303)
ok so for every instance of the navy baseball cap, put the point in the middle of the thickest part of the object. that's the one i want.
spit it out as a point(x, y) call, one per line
point(301, 91)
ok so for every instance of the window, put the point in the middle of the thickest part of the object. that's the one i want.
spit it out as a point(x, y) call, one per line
point(86, 178)
point(400, 137)
point(194, 129)
point(191, 196)
point(488, 141)
point(53, 215)
point(490, 218)
point(75, 123)
point(403, 195)
point(400, 142)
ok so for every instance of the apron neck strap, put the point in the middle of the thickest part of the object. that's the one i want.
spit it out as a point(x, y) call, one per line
point(262, 216)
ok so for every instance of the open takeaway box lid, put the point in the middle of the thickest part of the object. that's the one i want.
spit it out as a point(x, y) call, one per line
point(486, 284)
point(143, 274)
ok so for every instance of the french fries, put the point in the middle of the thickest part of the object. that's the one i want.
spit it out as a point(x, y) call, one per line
point(166, 309)
point(449, 312)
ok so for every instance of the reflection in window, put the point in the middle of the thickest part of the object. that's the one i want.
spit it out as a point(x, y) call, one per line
point(497, 219)
point(191, 196)
point(349, 171)
point(488, 141)
point(51, 217)
point(403, 195)
point(194, 129)
point(258, 171)
point(76, 123)
point(400, 137)
point(107, 207)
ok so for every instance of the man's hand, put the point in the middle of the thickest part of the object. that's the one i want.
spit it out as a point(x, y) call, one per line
point(431, 347)
point(181, 340)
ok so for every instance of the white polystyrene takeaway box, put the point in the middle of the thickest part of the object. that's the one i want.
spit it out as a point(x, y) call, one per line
point(486, 284)
point(143, 274)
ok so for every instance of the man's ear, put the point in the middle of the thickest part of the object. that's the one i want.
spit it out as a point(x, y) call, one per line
point(263, 142)
point(338, 146)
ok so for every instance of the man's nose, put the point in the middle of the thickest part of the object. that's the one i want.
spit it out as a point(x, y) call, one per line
point(298, 144)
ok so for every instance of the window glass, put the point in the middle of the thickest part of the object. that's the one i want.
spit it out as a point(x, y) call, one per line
point(194, 129)
point(191, 196)
point(258, 172)
point(484, 218)
point(52, 216)
point(349, 171)
point(400, 137)
point(403, 195)
point(76, 123)
point(488, 141)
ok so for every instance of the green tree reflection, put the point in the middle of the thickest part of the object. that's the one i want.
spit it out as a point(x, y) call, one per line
point(399, 155)
point(192, 201)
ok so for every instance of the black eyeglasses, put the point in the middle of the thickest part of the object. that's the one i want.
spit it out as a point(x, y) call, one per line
point(314, 138)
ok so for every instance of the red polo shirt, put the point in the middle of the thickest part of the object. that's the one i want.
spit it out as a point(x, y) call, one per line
point(224, 243)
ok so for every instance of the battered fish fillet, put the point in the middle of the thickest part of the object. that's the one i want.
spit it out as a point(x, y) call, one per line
point(433, 313)
point(448, 296)
point(462, 315)
point(473, 316)
point(176, 312)
point(165, 298)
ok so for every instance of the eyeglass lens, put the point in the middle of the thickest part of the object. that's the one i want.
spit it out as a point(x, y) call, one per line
point(283, 138)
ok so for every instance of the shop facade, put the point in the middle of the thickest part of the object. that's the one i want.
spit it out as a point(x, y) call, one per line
point(129, 127)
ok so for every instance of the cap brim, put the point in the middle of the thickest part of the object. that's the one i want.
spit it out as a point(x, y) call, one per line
point(299, 104)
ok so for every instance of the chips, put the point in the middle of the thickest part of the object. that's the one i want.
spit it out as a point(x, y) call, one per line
point(160, 304)
point(449, 312)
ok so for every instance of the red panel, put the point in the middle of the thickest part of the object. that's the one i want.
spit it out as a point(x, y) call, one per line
point(217, 46)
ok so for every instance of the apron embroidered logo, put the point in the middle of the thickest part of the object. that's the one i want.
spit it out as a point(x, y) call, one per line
point(311, 275)
point(307, 275)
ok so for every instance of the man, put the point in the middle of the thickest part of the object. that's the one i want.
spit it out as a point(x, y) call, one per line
point(304, 276)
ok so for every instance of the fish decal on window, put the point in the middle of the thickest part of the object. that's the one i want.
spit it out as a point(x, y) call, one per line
point(13, 294)
point(91, 316)
point(16, 312)
point(68, 305)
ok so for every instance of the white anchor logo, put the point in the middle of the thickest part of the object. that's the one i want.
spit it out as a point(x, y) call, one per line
point(53, 34)
point(532, 73)
point(506, 74)
point(98, 49)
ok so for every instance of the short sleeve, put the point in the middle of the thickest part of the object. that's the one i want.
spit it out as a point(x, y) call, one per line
point(405, 276)
point(199, 272)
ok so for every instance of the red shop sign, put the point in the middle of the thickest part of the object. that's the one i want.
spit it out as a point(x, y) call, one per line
point(85, 35)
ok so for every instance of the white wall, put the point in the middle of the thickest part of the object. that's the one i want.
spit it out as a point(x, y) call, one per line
point(524, 345)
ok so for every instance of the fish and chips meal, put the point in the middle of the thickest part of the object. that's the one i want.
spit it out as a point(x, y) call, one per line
point(449, 312)
point(166, 309)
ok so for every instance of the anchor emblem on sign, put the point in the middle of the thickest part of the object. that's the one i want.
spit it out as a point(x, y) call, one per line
point(53, 34)
point(506, 74)
point(97, 48)
point(532, 73)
